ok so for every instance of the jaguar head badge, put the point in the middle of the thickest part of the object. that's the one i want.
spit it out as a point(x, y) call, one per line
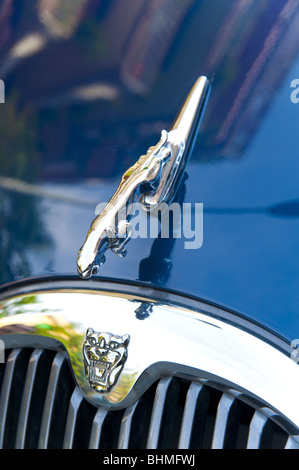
point(104, 356)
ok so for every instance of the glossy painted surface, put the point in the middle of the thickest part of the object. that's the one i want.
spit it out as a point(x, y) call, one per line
point(89, 88)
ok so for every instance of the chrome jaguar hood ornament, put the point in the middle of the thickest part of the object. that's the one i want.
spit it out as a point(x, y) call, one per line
point(151, 181)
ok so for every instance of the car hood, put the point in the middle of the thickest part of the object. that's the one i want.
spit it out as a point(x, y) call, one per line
point(88, 89)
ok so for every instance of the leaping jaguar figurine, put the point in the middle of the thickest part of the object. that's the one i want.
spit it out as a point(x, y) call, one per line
point(150, 181)
point(111, 229)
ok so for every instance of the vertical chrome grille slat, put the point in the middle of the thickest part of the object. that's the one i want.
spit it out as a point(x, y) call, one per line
point(222, 418)
point(75, 403)
point(96, 430)
point(5, 392)
point(189, 413)
point(49, 402)
point(256, 430)
point(26, 398)
point(126, 425)
point(157, 413)
point(292, 442)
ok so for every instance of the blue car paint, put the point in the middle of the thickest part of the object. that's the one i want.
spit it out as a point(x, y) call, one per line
point(244, 167)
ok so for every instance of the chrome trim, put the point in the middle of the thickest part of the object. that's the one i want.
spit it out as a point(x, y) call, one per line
point(104, 356)
point(126, 426)
point(180, 139)
point(151, 181)
point(195, 390)
point(26, 398)
point(6, 388)
point(179, 340)
point(292, 443)
point(49, 402)
point(97, 426)
point(73, 411)
point(157, 413)
point(257, 427)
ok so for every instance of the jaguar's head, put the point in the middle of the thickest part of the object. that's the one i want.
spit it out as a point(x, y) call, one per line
point(104, 357)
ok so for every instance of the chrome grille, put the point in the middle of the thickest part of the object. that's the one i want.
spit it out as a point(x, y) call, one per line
point(41, 407)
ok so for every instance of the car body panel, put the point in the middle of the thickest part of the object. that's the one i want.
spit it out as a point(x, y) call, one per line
point(84, 102)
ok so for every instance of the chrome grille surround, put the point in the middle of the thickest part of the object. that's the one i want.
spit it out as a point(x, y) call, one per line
point(216, 406)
